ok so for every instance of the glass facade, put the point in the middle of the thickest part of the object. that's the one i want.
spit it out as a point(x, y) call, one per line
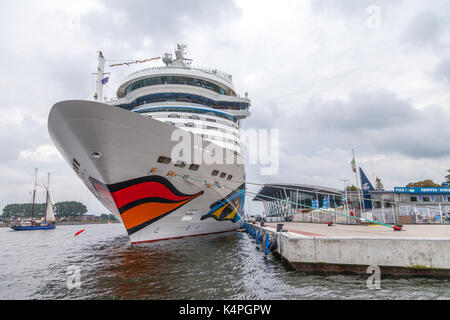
point(153, 81)
point(189, 110)
point(184, 97)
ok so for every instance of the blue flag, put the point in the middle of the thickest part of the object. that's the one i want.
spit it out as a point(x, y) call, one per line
point(315, 204)
point(105, 80)
point(366, 187)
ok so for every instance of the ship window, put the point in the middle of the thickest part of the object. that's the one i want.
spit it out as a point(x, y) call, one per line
point(175, 80)
point(190, 124)
point(426, 199)
point(194, 167)
point(223, 175)
point(212, 128)
point(414, 199)
point(195, 117)
point(170, 122)
point(180, 164)
point(210, 120)
point(164, 160)
point(215, 173)
point(229, 177)
point(184, 109)
point(173, 115)
point(185, 97)
point(438, 199)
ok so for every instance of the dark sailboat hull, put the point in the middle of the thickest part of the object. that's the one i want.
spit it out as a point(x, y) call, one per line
point(28, 228)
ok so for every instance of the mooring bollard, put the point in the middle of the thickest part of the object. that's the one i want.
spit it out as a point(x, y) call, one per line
point(280, 227)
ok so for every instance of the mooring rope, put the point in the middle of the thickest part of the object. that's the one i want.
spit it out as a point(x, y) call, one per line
point(244, 192)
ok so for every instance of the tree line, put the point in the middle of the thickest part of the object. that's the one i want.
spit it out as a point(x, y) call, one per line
point(61, 209)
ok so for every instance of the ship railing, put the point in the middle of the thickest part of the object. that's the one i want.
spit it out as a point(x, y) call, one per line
point(216, 72)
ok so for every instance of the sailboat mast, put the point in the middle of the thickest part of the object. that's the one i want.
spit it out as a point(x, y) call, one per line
point(47, 197)
point(34, 193)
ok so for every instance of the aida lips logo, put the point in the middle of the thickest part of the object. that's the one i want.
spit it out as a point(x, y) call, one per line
point(144, 200)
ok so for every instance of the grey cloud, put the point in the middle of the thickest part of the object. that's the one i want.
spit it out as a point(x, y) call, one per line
point(164, 22)
point(17, 137)
point(374, 110)
point(424, 30)
point(349, 7)
point(442, 70)
point(372, 122)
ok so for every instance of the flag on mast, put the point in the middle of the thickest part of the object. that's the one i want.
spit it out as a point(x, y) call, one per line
point(353, 164)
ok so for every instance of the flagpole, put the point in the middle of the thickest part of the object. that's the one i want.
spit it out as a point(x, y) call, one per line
point(100, 74)
point(357, 181)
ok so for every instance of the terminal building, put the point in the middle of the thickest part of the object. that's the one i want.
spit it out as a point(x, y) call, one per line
point(412, 205)
point(283, 201)
point(402, 205)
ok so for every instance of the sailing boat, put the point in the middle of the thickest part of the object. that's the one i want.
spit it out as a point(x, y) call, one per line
point(32, 224)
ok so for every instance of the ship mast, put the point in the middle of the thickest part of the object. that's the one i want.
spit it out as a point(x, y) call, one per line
point(34, 193)
point(47, 197)
point(100, 76)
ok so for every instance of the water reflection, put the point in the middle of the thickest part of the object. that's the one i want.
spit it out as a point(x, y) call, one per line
point(228, 266)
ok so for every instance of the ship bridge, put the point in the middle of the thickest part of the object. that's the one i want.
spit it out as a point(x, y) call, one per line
point(181, 83)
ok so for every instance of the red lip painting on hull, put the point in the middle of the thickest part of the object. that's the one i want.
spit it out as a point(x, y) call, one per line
point(145, 200)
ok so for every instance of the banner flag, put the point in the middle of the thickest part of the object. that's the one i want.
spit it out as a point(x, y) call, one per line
point(366, 187)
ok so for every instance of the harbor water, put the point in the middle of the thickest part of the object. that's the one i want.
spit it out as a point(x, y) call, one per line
point(38, 264)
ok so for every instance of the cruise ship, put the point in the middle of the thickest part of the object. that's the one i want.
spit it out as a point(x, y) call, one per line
point(124, 149)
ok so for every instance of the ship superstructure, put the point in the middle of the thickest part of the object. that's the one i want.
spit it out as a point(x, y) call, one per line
point(122, 149)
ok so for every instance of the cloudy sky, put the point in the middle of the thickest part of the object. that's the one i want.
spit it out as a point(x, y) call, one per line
point(320, 71)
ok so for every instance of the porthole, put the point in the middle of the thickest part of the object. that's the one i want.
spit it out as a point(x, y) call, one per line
point(164, 160)
point(223, 175)
point(194, 167)
point(96, 155)
point(180, 164)
point(215, 173)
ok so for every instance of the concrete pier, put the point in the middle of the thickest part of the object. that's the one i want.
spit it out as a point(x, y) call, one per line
point(420, 250)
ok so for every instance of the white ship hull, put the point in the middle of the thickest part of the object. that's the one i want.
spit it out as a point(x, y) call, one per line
point(115, 153)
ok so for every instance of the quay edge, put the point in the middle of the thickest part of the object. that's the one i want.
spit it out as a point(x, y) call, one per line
point(395, 256)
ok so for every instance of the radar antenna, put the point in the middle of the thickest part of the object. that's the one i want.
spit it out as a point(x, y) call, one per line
point(180, 59)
